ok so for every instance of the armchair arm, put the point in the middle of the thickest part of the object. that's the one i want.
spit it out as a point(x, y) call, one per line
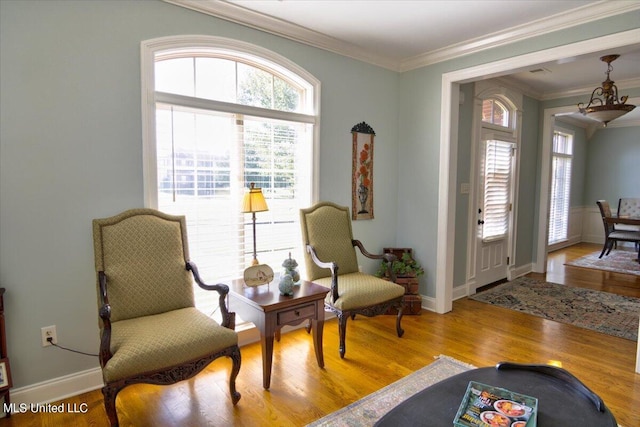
point(105, 314)
point(228, 318)
point(389, 258)
point(330, 265)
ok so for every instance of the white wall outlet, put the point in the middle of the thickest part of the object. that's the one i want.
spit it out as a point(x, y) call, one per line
point(49, 332)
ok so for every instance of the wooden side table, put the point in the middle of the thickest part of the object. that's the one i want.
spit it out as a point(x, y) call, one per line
point(269, 311)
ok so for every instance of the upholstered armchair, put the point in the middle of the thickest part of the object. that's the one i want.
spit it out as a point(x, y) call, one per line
point(611, 234)
point(150, 330)
point(331, 261)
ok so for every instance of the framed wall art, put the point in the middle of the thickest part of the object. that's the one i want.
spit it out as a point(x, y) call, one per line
point(362, 172)
point(5, 374)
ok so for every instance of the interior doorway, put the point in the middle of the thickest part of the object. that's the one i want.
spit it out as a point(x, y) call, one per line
point(448, 143)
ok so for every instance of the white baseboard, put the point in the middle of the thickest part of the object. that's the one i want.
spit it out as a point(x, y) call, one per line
point(520, 271)
point(58, 388)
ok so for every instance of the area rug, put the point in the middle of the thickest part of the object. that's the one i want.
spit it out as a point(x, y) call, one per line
point(618, 261)
point(369, 409)
point(604, 312)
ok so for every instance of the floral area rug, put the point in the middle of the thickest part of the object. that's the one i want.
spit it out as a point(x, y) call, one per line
point(599, 311)
point(618, 261)
point(369, 409)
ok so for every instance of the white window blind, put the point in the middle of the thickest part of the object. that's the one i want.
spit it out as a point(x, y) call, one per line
point(560, 187)
point(497, 187)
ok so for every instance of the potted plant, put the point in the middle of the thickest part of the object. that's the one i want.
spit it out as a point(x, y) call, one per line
point(406, 266)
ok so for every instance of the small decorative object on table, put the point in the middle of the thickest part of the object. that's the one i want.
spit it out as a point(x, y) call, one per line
point(289, 277)
point(291, 268)
point(286, 285)
point(257, 275)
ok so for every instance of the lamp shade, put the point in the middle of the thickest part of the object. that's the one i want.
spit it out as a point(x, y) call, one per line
point(254, 200)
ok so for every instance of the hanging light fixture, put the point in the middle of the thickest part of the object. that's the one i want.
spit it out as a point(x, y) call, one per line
point(604, 104)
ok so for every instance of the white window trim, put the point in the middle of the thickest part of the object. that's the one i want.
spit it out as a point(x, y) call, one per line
point(148, 49)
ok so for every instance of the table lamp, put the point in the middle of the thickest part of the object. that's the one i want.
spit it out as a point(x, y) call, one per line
point(254, 202)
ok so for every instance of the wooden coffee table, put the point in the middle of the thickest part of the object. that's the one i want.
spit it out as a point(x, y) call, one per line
point(269, 311)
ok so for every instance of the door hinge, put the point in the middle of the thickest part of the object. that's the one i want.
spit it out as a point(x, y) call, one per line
point(510, 207)
point(507, 260)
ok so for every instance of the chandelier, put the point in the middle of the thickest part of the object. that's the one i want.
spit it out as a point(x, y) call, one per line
point(604, 104)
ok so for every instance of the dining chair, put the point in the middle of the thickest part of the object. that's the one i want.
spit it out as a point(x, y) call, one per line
point(628, 206)
point(611, 234)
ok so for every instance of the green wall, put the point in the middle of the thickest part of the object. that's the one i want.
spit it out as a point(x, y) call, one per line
point(613, 165)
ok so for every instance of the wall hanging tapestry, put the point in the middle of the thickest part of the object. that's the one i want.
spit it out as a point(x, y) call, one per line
point(362, 172)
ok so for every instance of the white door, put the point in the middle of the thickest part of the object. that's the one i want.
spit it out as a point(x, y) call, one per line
point(494, 208)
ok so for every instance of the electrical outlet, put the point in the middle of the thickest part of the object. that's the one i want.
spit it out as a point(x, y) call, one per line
point(49, 332)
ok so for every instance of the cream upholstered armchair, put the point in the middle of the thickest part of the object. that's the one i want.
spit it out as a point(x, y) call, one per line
point(331, 261)
point(150, 330)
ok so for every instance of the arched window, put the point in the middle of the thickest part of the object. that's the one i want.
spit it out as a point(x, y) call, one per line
point(495, 113)
point(219, 115)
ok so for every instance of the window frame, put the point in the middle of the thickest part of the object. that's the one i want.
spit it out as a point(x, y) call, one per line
point(510, 126)
point(233, 49)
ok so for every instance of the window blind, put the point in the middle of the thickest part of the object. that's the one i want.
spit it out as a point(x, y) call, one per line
point(205, 162)
point(497, 188)
point(561, 161)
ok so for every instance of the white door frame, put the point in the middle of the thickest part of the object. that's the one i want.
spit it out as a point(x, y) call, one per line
point(449, 143)
point(514, 102)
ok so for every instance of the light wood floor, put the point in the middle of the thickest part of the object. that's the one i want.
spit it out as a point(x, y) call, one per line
point(301, 392)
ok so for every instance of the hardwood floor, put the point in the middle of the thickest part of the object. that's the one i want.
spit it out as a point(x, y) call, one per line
point(301, 392)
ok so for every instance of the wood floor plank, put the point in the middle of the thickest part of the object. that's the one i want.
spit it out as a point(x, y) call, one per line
point(473, 332)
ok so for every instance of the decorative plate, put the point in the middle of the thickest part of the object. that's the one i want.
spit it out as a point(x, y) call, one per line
point(257, 275)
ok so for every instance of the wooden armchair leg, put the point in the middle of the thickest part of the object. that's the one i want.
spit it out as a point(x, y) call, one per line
point(236, 360)
point(342, 329)
point(110, 394)
point(399, 329)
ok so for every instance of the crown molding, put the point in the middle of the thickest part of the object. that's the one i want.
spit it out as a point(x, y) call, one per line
point(568, 19)
point(249, 18)
point(239, 15)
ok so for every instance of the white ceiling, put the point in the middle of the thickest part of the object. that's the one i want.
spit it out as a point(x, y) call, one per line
point(402, 34)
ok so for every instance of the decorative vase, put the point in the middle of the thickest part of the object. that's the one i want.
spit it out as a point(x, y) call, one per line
point(290, 268)
point(286, 285)
point(363, 195)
